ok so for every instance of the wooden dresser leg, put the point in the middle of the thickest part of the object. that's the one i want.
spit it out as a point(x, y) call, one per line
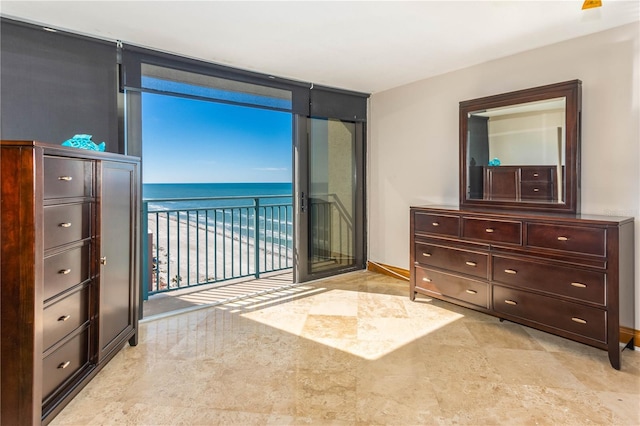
point(614, 356)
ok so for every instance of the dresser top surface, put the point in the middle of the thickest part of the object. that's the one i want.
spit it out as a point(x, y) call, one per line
point(528, 215)
point(53, 149)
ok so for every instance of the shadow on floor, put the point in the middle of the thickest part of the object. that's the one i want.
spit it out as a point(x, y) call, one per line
point(180, 301)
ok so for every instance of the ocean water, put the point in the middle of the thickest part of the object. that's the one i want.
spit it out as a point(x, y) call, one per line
point(200, 190)
point(233, 211)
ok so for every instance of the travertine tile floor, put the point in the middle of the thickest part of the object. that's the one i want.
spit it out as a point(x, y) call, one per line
point(354, 350)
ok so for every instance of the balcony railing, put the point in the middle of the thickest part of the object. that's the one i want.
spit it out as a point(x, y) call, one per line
point(197, 241)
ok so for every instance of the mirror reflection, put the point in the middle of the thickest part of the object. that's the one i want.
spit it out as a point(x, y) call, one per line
point(517, 152)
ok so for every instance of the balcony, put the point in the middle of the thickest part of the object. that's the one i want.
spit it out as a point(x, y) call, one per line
point(219, 241)
point(203, 241)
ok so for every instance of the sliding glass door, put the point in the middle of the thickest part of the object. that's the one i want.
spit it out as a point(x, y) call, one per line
point(329, 165)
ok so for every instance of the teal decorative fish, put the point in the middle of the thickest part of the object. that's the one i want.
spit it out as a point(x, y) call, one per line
point(84, 142)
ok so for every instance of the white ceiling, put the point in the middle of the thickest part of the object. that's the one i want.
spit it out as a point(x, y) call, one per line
point(365, 46)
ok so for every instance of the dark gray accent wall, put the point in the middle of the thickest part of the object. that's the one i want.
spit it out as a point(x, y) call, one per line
point(54, 85)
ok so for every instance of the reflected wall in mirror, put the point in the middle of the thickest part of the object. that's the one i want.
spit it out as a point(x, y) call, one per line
point(521, 149)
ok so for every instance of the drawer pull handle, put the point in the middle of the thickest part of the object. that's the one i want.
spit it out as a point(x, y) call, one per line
point(471, 263)
point(489, 230)
point(64, 318)
point(535, 190)
point(511, 271)
point(426, 254)
point(579, 285)
point(510, 302)
point(64, 365)
point(471, 291)
point(535, 175)
point(578, 320)
point(64, 271)
point(563, 239)
point(435, 224)
point(65, 178)
point(426, 280)
point(103, 260)
point(65, 225)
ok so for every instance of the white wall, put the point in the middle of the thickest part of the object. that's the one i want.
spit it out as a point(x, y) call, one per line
point(527, 139)
point(413, 134)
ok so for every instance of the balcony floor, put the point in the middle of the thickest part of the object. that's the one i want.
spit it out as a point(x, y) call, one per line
point(188, 299)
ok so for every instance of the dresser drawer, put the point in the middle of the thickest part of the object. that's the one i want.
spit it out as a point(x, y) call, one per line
point(441, 284)
point(64, 316)
point(578, 239)
point(454, 259)
point(65, 223)
point(67, 177)
point(64, 363)
point(64, 270)
point(536, 191)
point(498, 231)
point(552, 312)
point(579, 284)
point(436, 224)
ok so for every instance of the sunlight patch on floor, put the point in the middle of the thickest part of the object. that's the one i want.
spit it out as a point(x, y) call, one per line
point(341, 319)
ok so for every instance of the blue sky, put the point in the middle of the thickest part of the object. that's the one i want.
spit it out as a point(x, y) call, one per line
point(191, 141)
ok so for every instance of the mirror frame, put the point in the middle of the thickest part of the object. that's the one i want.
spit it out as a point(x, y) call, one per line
point(572, 92)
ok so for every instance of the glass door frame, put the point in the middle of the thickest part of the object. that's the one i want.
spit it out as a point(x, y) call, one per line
point(302, 232)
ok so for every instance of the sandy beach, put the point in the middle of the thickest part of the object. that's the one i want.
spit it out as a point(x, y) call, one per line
point(190, 253)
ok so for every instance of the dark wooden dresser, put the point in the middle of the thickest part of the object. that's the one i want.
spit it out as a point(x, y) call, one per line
point(69, 272)
point(570, 275)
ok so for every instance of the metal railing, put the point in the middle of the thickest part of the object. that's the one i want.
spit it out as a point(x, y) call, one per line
point(331, 232)
point(197, 241)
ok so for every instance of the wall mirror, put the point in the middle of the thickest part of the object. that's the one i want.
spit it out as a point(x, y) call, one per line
point(521, 150)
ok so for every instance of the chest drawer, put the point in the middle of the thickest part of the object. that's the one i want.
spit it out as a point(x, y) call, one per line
point(66, 223)
point(441, 284)
point(63, 363)
point(64, 316)
point(64, 270)
point(67, 177)
point(536, 191)
point(498, 231)
point(579, 284)
point(457, 260)
point(436, 224)
point(559, 314)
point(578, 239)
point(539, 174)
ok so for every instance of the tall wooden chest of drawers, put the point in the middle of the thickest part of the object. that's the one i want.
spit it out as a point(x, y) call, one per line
point(571, 275)
point(526, 183)
point(69, 225)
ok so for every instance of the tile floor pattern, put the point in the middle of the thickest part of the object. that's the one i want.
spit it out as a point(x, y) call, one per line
point(354, 350)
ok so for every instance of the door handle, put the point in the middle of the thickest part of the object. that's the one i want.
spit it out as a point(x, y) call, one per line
point(302, 205)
